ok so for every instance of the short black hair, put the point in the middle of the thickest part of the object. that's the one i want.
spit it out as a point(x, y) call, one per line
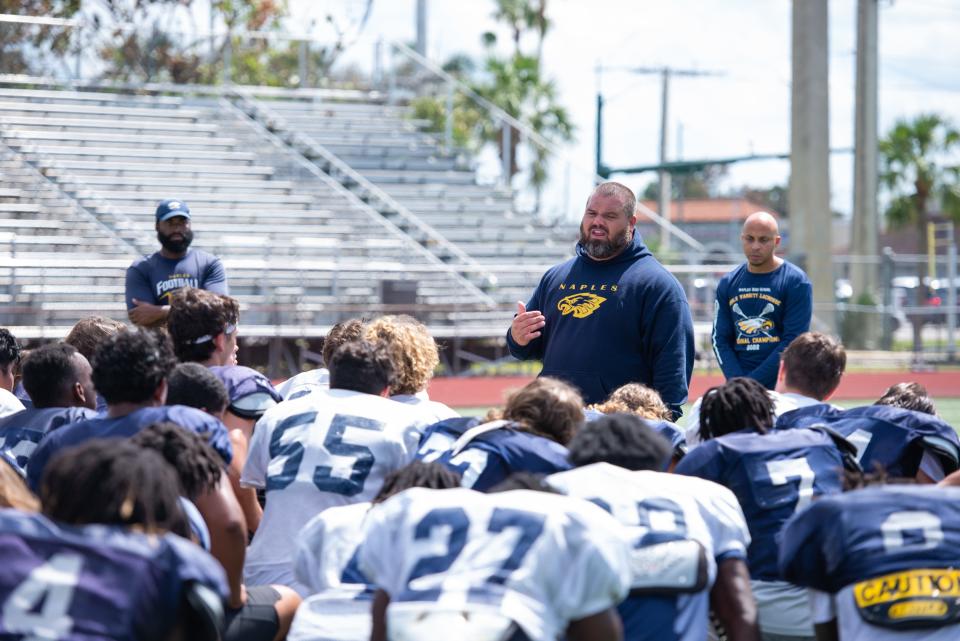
point(48, 372)
point(198, 465)
point(738, 404)
point(524, 481)
point(194, 385)
point(131, 364)
point(9, 349)
point(624, 440)
point(417, 474)
point(361, 366)
point(112, 482)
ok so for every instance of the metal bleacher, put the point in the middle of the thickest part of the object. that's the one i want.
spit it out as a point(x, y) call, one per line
point(82, 171)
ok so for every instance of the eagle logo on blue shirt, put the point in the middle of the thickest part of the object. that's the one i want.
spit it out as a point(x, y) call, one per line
point(754, 325)
point(580, 305)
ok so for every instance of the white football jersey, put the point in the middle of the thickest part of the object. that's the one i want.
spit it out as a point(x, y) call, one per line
point(329, 448)
point(432, 411)
point(536, 559)
point(655, 507)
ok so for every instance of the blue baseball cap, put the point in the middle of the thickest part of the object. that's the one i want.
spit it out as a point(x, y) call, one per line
point(251, 393)
point(171, 207)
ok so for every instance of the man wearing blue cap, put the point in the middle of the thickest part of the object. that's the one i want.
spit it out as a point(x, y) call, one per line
point(152, 279)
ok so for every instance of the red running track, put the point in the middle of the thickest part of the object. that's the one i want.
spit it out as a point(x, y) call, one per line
point(488, 391)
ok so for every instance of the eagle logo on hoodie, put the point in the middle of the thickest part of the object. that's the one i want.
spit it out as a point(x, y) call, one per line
point(580, 305)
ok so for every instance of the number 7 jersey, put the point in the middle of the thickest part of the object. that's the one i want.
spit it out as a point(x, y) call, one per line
point(332, 447)
point(537, 559)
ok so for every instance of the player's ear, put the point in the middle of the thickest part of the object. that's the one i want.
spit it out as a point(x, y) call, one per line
point(160, 394)
point(385, 392)
point(78, 394)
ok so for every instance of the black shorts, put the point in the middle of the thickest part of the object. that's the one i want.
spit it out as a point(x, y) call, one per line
point(257, 620)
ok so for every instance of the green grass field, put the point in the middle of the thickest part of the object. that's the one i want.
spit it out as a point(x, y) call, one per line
point(949, 409)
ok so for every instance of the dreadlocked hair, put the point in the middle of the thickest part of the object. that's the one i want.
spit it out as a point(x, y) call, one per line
point(738, 404)
point(113, 482)
point(417, 474)
point(196, 463)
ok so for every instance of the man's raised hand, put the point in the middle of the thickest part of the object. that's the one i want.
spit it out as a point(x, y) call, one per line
point(526, 325)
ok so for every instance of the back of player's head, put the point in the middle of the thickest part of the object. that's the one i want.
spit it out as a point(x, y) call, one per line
point(362, 367)
point(523, 481)
point(196, 317)
point(49, 373)
point(909, 396)
point(638, 399)
point(412, 351)
point(13, 490)
point(112, 482)
point(813, 364)
point(623, 440)
point(548, 407)
point(194, 385)
point(130, 365)
point(417, 474)
point(9, 352)
point(197, 465)
point(619, 191)
point(90, 332)
point(342, 332)
point(738, 404)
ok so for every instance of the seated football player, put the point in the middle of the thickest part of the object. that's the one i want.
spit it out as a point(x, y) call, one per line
point(339, 606)
point(618, 459)
point(638, 399)
point(103, 560)
point(249, 395)
point(520, 565)
point(10, 354)
point(882, 563)
point(58, 377)
point(413, 352)
point(537, 422)
point(87, 336)
point(811, 368)
point(130, 369)
point(261, 613)
point(909, 396)
point(773, 474)
point(319, 378)
point(328, 448)
point(901, 442)
point(203, 327)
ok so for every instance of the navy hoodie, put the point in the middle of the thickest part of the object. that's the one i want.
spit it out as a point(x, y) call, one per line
point(608, 323)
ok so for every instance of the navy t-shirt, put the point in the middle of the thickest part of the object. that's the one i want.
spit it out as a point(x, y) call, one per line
point(104, 427)
point(756, 317)
point(153, 278)
point(21, 432)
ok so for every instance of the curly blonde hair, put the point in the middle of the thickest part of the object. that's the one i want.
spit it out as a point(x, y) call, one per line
point(634, 398)
point(412, 350)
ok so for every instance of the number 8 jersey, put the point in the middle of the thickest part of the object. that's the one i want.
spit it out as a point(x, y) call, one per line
point(535, 559)
point(332, 447)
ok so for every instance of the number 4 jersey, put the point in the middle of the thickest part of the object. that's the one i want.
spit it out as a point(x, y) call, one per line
point(95, 581)
point(886, 556)
point(535, 559)
point(332, 447)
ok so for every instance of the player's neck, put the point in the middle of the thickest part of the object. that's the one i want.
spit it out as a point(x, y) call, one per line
point(166, 253)
point(765, 268)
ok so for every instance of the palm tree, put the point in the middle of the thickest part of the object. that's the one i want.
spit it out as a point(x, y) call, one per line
point(915, 169)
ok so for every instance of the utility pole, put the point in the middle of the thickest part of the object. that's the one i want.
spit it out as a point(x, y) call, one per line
point(810, 217)
point(864, 234)
point(422, 27)
point(665, 74)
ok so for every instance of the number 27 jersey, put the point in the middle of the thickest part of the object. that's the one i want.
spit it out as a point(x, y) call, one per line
point(540, 560)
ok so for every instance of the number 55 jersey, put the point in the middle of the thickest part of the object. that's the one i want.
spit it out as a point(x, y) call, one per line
point(458, 558)
point(331, 447)
point(888, 559)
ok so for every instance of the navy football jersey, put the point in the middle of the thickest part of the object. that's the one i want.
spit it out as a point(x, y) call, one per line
point(103, 427)
point(772, 475)
point(20, 433)
point(673, 433)
point(909, 535)
point(891, 437)
point(440, 437)
point(95, 581)
point(487, 454)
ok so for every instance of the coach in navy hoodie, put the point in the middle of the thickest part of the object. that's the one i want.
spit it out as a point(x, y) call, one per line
point(612, 315)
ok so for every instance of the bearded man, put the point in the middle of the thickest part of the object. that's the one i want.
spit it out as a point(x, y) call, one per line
point(151, 280)
point(612, 315)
